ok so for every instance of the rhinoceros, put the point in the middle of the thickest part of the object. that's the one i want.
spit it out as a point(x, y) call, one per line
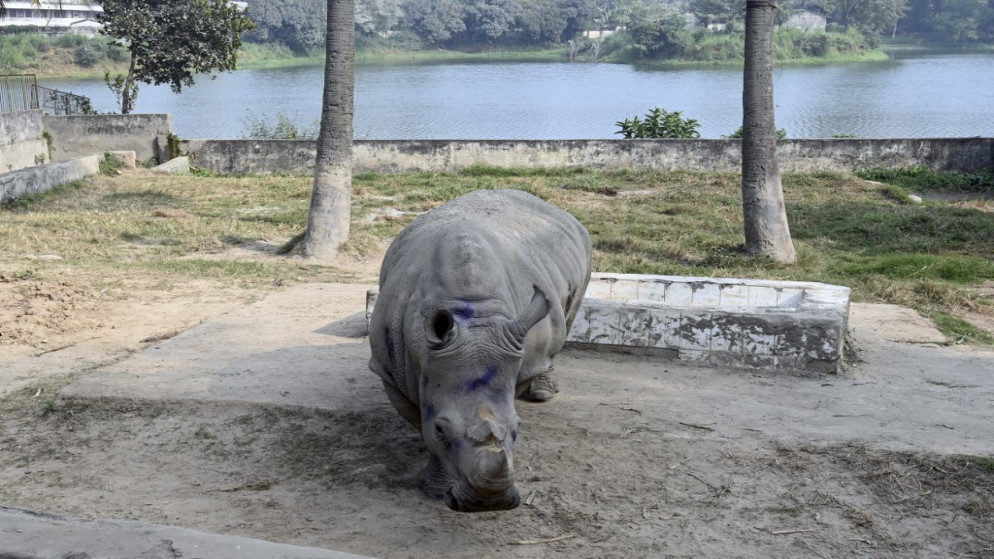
point(476, 298)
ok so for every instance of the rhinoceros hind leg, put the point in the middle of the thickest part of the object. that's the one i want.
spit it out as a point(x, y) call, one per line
point(543, 387)
point(434, 481)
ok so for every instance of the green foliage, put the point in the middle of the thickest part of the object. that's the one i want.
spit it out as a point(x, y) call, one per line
point(659, 123)
point(18, 50)
point(962, 331)
point(923, 179)
point(171, 42)
point(284, 128)
point(21, 50)
point(88, 54)
point(666, 37)
point(109, 165)
point(781, 133)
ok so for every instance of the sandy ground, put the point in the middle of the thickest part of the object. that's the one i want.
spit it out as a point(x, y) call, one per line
point(253, 414)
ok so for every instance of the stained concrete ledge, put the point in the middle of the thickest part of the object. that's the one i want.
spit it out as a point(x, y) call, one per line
point(30, 535)
point(719, 322)
point(35, 180)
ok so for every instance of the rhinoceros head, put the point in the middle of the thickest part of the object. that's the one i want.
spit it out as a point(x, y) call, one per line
point(467, 394)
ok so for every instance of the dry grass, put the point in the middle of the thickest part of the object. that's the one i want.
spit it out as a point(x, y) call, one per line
point(113, 231)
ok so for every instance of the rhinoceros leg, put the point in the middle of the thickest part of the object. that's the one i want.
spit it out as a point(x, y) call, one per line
point(403, 405)
point(542, 387)
point(434, 481)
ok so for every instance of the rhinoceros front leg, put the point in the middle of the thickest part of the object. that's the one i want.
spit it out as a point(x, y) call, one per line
point(542, 387)
point(434, 481)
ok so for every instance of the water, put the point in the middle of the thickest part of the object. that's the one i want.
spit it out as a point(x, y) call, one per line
point(945, 95)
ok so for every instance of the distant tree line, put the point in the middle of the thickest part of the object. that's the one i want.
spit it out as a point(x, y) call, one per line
point(653, 28)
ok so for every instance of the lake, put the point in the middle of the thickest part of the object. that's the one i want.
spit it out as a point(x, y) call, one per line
point(939, 95)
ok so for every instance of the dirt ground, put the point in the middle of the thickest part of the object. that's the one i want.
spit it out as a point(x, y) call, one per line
point(632, 459)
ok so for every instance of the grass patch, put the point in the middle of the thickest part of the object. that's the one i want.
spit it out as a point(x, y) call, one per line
point(923, 179)
point(961, 330)
point(932, 257)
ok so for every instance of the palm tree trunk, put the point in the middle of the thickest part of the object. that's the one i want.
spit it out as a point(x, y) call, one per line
point(331, 198)
point(766, 230)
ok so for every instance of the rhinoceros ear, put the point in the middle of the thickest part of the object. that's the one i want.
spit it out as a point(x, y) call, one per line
point(537, 309)
point(440, 328)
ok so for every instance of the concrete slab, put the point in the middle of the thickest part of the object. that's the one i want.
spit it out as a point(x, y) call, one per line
point(175, 166)
point(29, 535)
point(894, 323)
point(306, 346)
point(303, 347)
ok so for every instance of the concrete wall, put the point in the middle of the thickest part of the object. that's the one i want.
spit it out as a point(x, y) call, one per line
point(80, 135)
point(839, 155)
point(39, 178)
point(21, 141)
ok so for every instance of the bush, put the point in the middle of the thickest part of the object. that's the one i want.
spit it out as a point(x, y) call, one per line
point(87, 55)
point(659, 123)
point(285, 128)
point(781, 133)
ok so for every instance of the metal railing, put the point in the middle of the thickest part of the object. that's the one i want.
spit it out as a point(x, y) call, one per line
point(20, 92)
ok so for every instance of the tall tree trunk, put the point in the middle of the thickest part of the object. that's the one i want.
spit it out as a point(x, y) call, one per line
point(331, 199)
point(766, 230)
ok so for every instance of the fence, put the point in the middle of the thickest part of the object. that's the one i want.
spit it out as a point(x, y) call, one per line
point(20, 92)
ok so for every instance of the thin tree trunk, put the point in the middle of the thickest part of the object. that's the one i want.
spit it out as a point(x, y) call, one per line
point(331, 198)
point(129, 91)
point(766, 230)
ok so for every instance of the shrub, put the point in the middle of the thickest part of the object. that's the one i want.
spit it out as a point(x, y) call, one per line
point(781, 133)
point(87, 55)
point(659, 123)
point(285, 128)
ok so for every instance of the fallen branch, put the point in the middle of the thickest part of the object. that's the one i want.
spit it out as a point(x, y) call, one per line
point(60, 348)
point(696, 426)
point(550, 540)
point(788, 532)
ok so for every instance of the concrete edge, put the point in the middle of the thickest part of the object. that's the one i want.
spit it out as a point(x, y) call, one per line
point(27, 535)
point(38, 179)
point(175, 166)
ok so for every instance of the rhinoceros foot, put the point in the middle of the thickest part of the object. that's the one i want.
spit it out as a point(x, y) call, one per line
point(542, 388)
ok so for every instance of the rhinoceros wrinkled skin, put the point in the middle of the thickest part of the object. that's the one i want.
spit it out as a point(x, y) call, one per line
point(476, 297)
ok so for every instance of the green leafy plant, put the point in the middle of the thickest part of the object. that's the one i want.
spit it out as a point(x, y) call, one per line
point(109, 165)
point(781, 134)
point(659, 123)
point(285, 128)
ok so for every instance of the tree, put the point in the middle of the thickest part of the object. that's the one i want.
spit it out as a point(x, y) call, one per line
point(667, 37)
point(170, 41)
point(766, 230)
point(331, 198)
point(872, 16)
point(298, 24)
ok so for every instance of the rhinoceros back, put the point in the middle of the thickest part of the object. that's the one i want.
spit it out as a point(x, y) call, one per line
point(490, 247)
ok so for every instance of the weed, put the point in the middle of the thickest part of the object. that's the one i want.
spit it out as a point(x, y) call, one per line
point(923, 179)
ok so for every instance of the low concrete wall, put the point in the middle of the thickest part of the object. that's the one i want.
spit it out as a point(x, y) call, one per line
point(22, 143)
point(239, 157)
point(37, 179)
point(80, 135)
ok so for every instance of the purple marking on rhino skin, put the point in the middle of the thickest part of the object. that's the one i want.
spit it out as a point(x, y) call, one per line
point(427, 413)
point(483, 381)
point(514, 434)
point(465, 312)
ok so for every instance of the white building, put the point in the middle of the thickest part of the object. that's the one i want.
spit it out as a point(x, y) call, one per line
point(53, 16)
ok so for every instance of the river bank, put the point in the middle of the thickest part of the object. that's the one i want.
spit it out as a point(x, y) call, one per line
point(81, 58)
